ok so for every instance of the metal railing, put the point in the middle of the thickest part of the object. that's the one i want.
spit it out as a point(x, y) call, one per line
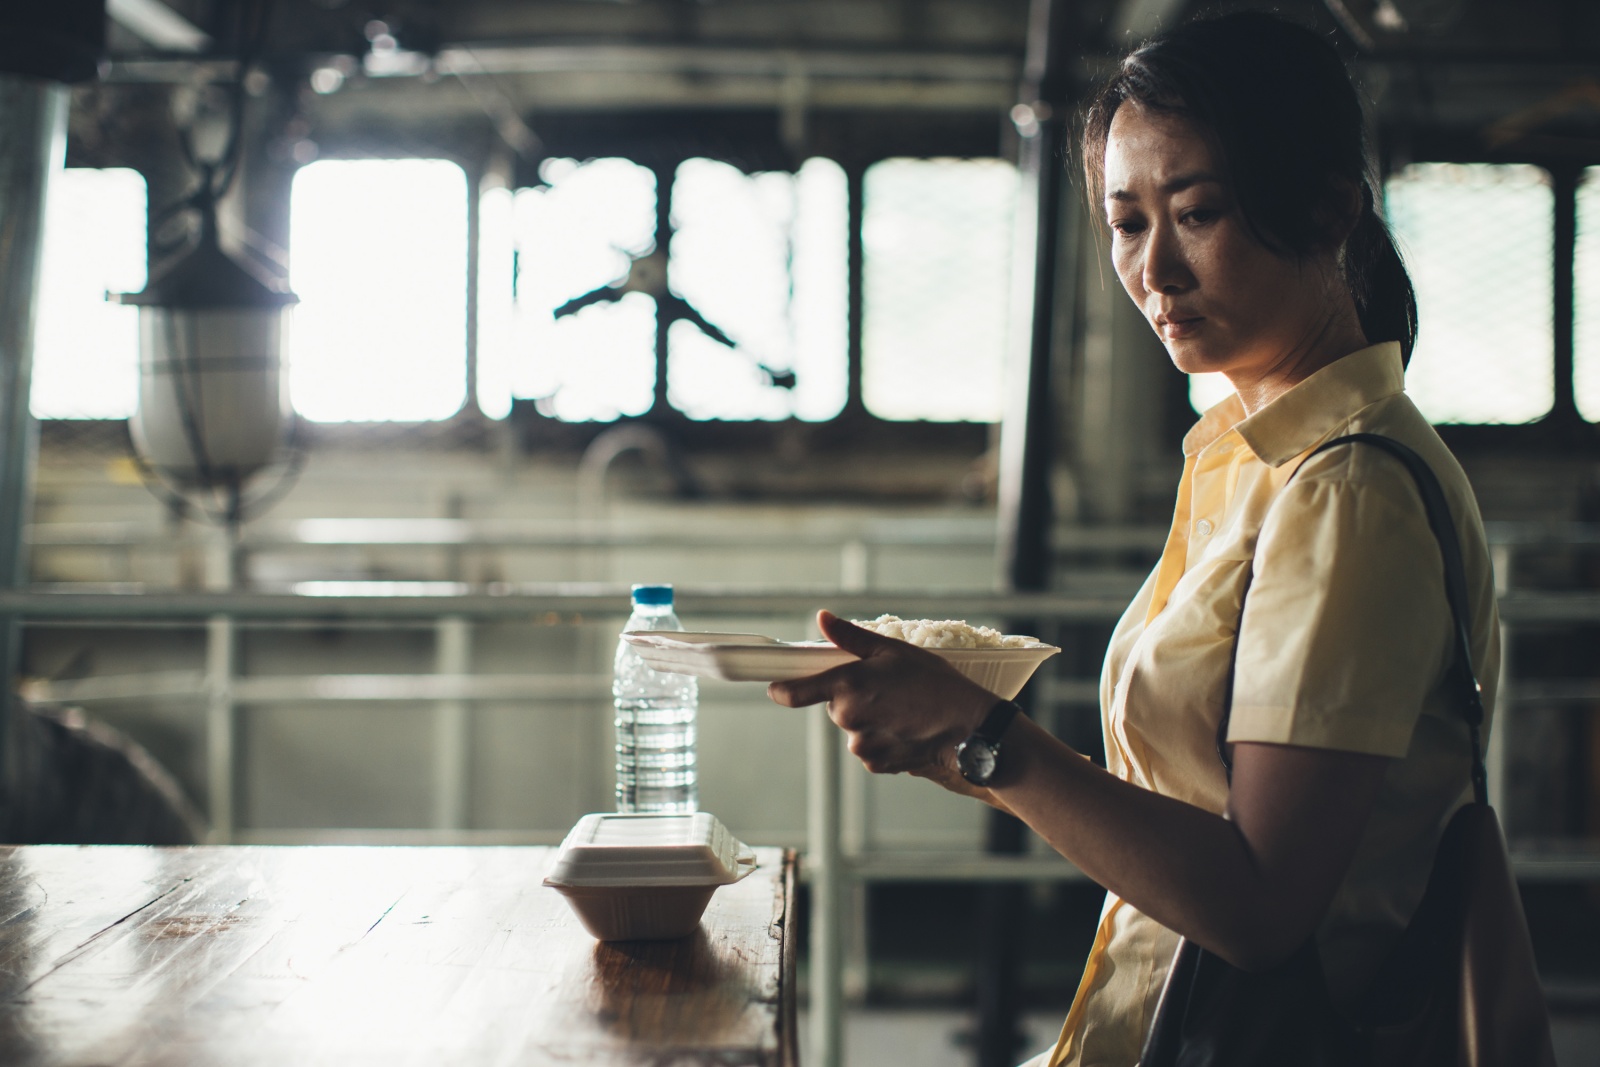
point(835, 858)
point(829, 867)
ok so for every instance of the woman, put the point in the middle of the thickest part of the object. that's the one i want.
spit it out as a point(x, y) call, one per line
point(1228, 159)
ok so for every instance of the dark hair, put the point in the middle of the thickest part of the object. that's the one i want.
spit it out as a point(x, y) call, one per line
point(1277, 103)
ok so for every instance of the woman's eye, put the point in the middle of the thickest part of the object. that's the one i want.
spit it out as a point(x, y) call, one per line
point(1200, 215)
point(1126, 227)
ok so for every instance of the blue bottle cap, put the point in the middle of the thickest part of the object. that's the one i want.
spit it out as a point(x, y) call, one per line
point(652, 595)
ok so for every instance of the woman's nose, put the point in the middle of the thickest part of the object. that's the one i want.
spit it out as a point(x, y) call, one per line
point(1165, 269)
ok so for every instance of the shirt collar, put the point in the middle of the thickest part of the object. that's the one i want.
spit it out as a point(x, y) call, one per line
point(1308, 412)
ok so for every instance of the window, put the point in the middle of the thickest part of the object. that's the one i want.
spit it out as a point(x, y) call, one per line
point(590, 227)
point(1208, 390)
point(753, 294)
point(757, 259)
point(1586, 298)
point(762, 258)
point(379, 259)
point(1477, 239)
point(937, 235)
point(86, 349)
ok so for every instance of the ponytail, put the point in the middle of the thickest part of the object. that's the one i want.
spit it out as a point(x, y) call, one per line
point(1385, 300)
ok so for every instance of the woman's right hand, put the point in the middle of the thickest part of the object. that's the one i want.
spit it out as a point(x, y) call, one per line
point(903, 708)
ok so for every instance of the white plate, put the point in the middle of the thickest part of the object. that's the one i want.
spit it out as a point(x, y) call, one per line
point(754, 658)
point(734, 657)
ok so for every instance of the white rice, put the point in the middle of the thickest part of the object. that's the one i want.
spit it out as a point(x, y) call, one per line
point(944, 633)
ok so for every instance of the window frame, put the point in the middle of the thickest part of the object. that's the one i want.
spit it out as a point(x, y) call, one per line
point(754, 141)
point(854, 424)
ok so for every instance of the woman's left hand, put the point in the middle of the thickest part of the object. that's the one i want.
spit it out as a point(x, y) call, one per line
point(903, 707)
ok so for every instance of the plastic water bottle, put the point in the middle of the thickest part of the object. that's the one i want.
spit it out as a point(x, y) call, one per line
point(655, 718)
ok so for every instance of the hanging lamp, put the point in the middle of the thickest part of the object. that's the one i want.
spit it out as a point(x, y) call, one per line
point(213, 404)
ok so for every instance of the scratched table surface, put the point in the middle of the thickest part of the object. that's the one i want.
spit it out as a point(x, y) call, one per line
point(366, 955)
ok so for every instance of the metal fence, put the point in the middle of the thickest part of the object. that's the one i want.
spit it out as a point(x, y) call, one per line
point(837, 855)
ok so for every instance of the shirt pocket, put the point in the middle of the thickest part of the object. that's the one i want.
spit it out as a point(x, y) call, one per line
point(1213, 585)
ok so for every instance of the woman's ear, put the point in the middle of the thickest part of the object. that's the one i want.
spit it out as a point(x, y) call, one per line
point(1341, 209)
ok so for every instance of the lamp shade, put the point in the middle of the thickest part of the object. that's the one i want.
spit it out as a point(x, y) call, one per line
point(213, 407)
point(213, 403)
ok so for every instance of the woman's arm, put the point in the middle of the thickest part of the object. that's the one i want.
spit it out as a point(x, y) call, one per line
point(1250, 886)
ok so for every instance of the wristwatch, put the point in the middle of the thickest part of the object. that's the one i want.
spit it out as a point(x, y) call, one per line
point(979, 755)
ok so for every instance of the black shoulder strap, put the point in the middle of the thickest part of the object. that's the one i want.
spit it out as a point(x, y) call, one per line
point(1461, 676)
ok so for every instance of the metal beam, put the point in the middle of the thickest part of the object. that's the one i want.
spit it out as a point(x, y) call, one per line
point(166, 686)
point(1027, 456)
point(33, 138)
point(727, 62)
point(155, 23)
point(824, 866)
point(549, 602)
point(922, 68)
point(397, 533)
point(556, 602)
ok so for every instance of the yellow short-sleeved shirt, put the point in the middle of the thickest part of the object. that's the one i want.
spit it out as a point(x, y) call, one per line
point(1344, 644)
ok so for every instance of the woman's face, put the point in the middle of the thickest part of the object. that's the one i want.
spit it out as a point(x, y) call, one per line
point(1218, 299)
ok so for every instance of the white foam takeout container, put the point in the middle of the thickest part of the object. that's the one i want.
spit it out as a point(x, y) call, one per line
point(646, 877)
point(754, 658)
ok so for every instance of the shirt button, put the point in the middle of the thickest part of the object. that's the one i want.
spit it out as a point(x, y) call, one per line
point(1203, 527)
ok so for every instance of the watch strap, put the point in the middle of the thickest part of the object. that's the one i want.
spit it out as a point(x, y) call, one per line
point(998, 721)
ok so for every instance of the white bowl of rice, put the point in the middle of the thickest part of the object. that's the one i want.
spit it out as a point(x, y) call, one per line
point(1001, 663)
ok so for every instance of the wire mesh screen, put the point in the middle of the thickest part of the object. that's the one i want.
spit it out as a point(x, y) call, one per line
point(1586, 298)
point(1477, 241)
point(937, 235)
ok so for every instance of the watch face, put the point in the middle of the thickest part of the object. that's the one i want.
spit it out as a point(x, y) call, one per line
point(976, 760)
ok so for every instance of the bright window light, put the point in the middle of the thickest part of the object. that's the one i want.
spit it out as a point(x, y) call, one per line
point(937, 236)
point(590, 228)
point(1208, 390)
point(378, 255)
point(762, 258)
point(86, 349)
point(1586, 298)
point(1476, 238)
point(604, 358)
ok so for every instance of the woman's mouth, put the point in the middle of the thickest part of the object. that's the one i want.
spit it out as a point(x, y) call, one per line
point(1176, 327)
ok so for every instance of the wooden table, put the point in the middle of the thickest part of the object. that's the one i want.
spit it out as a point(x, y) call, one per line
point(438, 956)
